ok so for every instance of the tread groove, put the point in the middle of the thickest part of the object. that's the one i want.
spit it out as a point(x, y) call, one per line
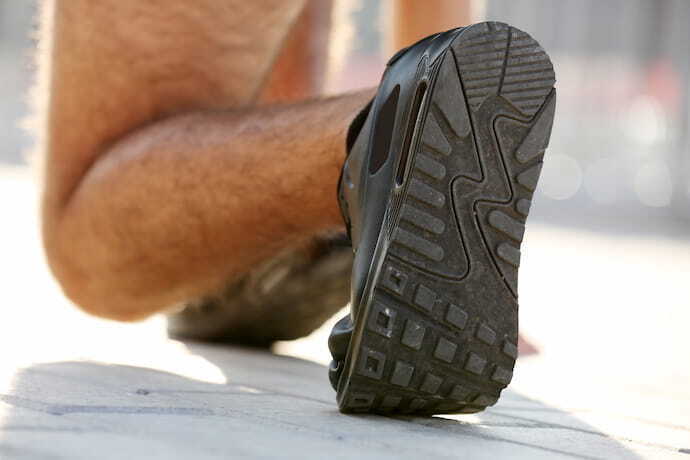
point(505, 61)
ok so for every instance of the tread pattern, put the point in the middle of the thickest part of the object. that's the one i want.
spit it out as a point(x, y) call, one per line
point(417, 372)
point(441, 331)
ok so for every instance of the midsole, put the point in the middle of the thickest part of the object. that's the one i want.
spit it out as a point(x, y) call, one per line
point(391, 218)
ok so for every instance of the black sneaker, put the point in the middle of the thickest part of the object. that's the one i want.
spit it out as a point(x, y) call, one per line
point(283, 298)
point(435, 192)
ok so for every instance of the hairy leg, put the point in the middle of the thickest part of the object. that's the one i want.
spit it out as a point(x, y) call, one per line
point(162, 181)
point(191, 201)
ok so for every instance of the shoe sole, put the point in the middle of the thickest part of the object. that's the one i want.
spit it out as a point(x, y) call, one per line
point(438, 330)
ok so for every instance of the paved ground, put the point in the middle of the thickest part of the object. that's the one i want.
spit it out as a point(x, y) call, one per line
point(610, 314)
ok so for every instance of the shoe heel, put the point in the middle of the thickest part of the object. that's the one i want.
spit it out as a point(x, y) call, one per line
point(439, 332)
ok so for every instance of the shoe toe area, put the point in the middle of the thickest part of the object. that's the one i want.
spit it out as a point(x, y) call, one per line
point(339, 339)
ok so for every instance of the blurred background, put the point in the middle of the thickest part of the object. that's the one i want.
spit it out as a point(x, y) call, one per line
point(618, 158)
point(606, 258)
point(16, 24)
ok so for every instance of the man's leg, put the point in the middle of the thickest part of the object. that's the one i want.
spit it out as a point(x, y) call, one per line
point(293, 292)
point(300, 70)
point(161, 182)
point(414, 20)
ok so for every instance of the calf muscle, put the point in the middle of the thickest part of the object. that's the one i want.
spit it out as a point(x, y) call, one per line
point(162, 180)
point(177, 208)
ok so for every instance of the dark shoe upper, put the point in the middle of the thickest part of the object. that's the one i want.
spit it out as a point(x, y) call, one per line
point(378, 141)
point(283, 298)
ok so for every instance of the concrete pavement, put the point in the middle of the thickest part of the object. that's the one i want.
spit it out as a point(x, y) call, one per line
point(608, 312)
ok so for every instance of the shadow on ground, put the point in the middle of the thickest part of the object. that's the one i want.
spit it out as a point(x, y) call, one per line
point(270, 406)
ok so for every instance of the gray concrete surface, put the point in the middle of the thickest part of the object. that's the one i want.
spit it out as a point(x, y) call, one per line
point(270, 407)
point(608, 312)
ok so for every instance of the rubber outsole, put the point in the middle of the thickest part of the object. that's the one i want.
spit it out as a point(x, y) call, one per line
point(438, 333)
